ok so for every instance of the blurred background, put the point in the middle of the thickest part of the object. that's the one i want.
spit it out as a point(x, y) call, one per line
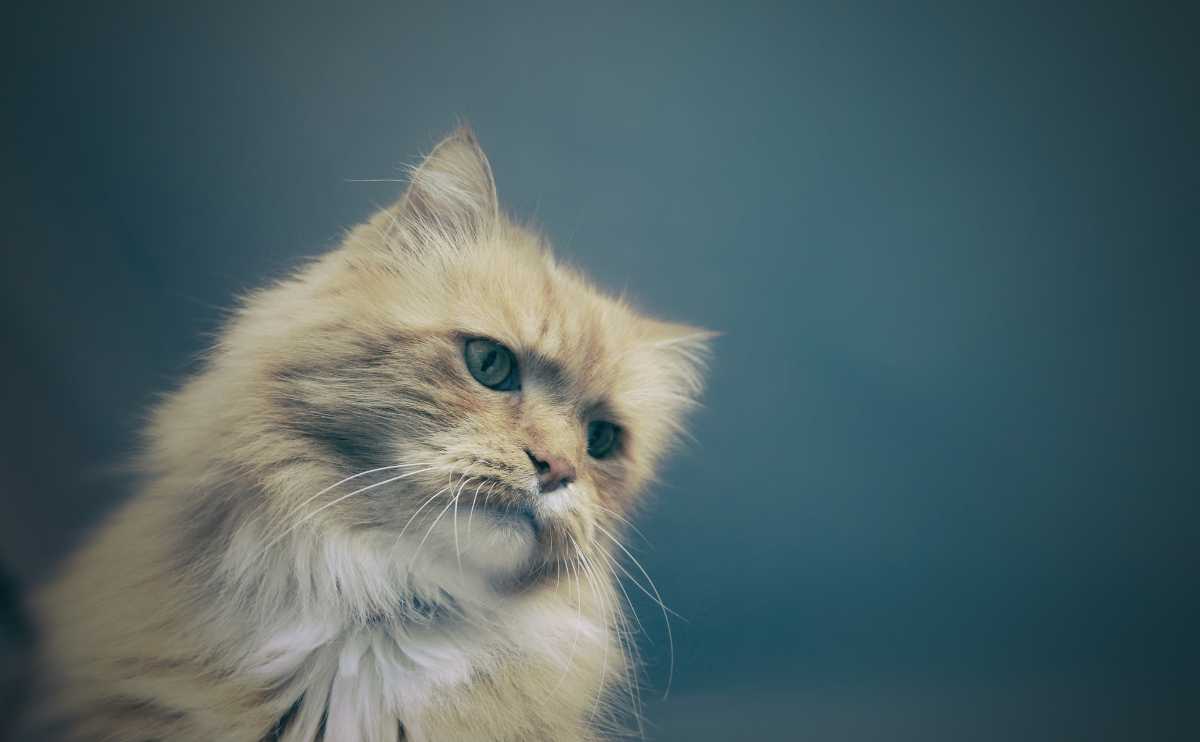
point(945, 485)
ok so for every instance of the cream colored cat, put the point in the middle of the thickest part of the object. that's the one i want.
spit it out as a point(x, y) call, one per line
point(389, 505)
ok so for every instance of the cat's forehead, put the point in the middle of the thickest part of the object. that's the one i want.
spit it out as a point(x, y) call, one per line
point(558, 324)
point(551, 317)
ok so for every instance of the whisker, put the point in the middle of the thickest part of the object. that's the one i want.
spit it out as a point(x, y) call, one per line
point(352, 477)
point(330, 504)
point(585, 566)
point(632, 578)
point(578, 623)
point(662, 605)
point(614, 562)
point(434, 524)
point(491, 491)
point(472, 514)
point(628, 523)
point(418, 512)
point(632, 609)
point(629, 643)
point(457, 550)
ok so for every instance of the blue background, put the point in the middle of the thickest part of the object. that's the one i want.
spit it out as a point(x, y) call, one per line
point(945, 483)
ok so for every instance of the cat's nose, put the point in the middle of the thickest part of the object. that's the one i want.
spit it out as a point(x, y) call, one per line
point(552, 471)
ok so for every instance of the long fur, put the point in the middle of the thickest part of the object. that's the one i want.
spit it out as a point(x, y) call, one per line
point(340, 534)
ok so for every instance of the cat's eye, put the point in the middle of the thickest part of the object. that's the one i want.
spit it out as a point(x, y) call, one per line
point(492, 364)
point(602, 438)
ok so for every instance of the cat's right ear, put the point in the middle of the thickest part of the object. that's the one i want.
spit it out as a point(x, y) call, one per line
point(452, 194)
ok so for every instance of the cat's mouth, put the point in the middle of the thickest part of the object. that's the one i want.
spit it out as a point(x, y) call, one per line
point(512, 511)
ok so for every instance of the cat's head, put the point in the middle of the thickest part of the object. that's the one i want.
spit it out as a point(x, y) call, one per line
point(512, 412)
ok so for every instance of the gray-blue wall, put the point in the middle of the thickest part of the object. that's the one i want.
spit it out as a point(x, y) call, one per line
point(945, 485)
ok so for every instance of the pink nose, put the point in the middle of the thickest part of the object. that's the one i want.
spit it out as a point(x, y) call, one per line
point(552, 471)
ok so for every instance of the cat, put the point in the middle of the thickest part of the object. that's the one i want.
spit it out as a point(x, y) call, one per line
point(389, 506)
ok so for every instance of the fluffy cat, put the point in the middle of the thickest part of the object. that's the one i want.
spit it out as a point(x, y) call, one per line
point(389, 505)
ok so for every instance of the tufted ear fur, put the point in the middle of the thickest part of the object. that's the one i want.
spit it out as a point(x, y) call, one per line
point(684, 351)
point(670, 368)
point(452, 193)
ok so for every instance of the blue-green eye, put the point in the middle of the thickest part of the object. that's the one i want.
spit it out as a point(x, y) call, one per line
point(492, 364)
point(602, 438)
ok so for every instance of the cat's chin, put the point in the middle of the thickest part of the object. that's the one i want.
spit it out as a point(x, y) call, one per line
point(510, 546)
point(494, 543)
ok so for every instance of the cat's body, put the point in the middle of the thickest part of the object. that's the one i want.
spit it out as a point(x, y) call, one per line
point(461, 585)
point(145, 658)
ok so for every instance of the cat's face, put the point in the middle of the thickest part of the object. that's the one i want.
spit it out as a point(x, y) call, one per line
point(523, 411)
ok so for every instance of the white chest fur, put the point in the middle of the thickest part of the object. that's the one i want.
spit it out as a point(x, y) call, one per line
point(375, 678)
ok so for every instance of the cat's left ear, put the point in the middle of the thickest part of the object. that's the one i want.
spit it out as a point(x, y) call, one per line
point(452, 191)
point(682, 352)
point(665, 372)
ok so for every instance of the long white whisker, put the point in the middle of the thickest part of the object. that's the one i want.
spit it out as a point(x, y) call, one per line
point(491, 491)
point(625, 592)
point(625, 637)
point(661, 604)
point(472, 513)
point(352, 477)
point(578, 624)
point(457, 550)
point(628, 523)
point(449, 484)
point(330, 504)
point(433, 525)
point(585, 565)
point(637, 583)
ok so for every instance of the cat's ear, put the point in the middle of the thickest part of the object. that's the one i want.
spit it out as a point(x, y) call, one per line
point(666, 371)
point(452, 192)
point(682, 352)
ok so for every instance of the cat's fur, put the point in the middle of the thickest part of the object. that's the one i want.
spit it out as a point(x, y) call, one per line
point(244, 595)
